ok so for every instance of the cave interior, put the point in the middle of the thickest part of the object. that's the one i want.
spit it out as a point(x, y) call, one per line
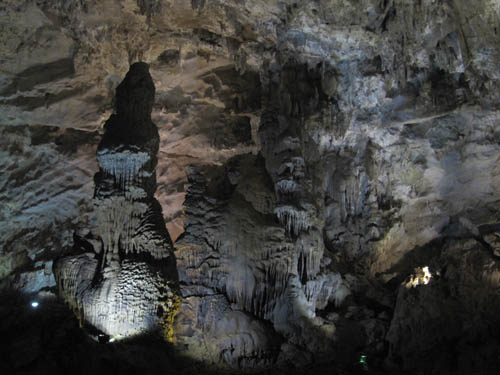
point(234, 187)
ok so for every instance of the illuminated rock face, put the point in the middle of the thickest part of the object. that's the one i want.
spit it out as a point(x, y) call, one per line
point(127, 283)
point(318, 154)
point(253, 238)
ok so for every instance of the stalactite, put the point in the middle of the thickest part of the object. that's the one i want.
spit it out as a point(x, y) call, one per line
point(294, 220)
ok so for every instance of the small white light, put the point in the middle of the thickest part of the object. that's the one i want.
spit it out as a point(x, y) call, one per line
point(427, 275)
point(112, 339)
point(422, 277)
point(34, 304)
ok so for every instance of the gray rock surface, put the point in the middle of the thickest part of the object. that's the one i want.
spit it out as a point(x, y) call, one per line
point(314, 159)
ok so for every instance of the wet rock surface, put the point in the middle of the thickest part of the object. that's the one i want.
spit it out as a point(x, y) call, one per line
point(327, 170)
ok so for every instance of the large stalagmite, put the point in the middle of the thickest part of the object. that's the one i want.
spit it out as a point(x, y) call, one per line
point(122, 280)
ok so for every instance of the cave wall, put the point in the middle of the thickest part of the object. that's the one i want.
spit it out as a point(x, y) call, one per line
point(314, 157)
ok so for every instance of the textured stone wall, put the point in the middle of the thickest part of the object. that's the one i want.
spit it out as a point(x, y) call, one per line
point(314, 158)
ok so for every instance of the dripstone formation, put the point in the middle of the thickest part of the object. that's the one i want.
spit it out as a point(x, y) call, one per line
point(329, 176)
point(122, 280)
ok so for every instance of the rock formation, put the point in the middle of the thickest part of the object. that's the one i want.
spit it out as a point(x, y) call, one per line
point(328, 172)
point(122, 280)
